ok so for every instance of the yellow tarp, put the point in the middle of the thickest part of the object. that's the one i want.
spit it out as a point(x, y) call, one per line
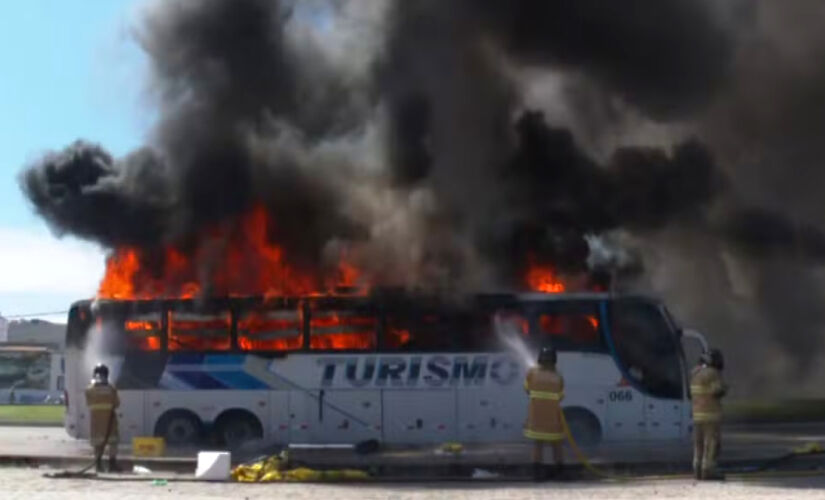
point(272, 470)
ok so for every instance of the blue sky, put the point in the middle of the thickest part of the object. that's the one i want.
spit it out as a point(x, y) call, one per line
point(68, 70)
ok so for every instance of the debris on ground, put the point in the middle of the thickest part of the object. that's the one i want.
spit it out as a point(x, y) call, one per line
point(451, 447)
point(141, 470)
point(484, 474)
point(275, 468)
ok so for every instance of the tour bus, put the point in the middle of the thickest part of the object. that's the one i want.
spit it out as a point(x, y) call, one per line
point(399, 368)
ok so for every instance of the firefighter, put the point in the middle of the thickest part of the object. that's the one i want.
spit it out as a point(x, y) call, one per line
point(707, 390)
point(102, 400)
point(545, 387)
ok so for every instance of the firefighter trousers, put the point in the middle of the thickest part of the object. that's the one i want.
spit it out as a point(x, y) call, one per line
point(538, 451)
point(112, 450)
point(706, 440)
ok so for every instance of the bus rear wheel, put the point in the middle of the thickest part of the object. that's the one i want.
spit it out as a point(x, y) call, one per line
point(584, 426)
point(238, 427)
point(179, 427)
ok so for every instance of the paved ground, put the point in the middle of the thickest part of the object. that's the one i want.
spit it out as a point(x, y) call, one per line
point(29, 484)
point(753, 442)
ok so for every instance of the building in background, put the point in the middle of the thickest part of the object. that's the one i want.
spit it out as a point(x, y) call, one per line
point(4, 329)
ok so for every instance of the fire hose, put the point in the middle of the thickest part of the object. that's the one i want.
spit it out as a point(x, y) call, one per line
point(98, 457)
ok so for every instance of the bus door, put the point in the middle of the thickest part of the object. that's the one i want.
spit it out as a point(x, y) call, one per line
point(648, 353)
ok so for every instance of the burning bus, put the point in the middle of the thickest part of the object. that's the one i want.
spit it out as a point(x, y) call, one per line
point(402, 368)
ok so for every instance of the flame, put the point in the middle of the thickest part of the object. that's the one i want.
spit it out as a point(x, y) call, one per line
point(578, 326)
point(212, 333)
point(142, 325)
point(146, 334)
point(398, 337)
point(543, 279)
point(252, 325)
point(224, 261)
point(330, 330)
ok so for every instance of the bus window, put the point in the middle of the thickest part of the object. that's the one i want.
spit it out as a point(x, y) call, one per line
point(515, 321)
point(646, 347)
point(344, 330)
point(262, 330)
point(418, 331)
point(143, 332)
point(199, 332)
point(570, 327)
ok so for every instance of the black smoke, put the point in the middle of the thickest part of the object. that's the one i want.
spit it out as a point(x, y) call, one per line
point(406, 131)
point(83, 191)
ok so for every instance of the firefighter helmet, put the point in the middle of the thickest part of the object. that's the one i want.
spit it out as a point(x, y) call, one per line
point(547, 356)
point(714, 358)
point(101, 372)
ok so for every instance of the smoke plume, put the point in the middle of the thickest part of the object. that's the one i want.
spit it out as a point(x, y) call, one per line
point(455, 144)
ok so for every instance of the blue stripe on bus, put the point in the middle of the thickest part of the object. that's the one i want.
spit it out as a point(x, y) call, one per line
point(199, 379)
point(224, 359)
point(239, 380)
point(186, 359)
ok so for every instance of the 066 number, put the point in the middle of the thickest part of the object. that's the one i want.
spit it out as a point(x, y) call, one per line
point(621, 396)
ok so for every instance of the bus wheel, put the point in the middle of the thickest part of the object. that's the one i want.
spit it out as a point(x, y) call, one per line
point(179, 427)
point(584, 426)
point(236, 427)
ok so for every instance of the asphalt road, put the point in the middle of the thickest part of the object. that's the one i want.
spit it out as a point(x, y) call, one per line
point(741, 442)
point(29, 484)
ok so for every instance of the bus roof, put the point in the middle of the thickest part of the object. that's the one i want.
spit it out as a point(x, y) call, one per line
point(394, 295)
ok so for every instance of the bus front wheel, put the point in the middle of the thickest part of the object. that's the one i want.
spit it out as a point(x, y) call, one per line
point(179, 427)
point(584, 426)
point(236, 427)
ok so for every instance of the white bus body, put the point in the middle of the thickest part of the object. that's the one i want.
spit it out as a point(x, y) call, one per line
point(397, 396)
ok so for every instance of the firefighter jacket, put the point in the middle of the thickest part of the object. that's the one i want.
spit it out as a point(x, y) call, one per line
point(706, 391)
point(102, 400)
point(545, 387)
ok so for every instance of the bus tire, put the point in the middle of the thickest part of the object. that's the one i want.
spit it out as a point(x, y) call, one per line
point(584, 426)
point(236, 427)
point(179, 427)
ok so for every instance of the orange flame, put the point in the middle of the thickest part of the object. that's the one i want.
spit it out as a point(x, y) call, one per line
point(543, 279)
point(333, 331)
point(253, 325)
point(224, 261)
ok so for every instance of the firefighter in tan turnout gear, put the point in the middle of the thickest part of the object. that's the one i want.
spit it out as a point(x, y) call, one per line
point(707, 389)
point(102, 401)
point(545, 388)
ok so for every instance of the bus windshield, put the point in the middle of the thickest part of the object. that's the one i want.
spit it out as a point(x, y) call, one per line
point(646, 347)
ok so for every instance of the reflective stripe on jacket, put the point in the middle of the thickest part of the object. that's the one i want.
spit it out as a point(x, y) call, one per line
point(102, 400)
point(546, 390)
point(706, 391)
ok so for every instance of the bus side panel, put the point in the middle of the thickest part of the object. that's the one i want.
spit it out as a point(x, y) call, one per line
point(130, 414)
point(75, 421)
point(491, 414)
point(350, 416)
point(625, 419)
point(664, 418)
point(278, 429)
point(305, 416)
point(419, 416)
